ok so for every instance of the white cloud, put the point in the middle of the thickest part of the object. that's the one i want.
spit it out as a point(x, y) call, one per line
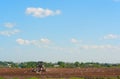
point(74, 40)
point(21, 41)
point(111, 36)
point(9, 25)
point(99, 47)
point(40, 12)
point(33, 42)
point(9, 32)
point(44, 40)
point(46, 44)
point(43, 43)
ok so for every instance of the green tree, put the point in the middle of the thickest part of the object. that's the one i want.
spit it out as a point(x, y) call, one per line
point(77, 64)
point(61, 64)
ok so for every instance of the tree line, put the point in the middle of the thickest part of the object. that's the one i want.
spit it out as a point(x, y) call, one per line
point(59, 64)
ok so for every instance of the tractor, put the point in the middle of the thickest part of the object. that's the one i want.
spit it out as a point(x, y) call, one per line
point(39, 68)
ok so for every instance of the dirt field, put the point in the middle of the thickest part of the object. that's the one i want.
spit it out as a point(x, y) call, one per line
point(60, 72)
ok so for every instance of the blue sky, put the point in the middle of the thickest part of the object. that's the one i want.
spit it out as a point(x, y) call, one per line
point(61, 30)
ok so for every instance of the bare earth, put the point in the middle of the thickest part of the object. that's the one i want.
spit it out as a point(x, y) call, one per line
point(60, 72)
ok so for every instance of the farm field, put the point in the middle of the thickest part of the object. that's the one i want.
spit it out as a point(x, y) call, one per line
point(59, 72)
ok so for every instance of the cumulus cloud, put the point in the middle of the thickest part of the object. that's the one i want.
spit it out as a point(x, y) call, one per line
point(33, 42)
point(21, 41)
point(112, 36)
point(44, 40)
point(9, 32)
point(47, 44)
point(9, 25)
point(40, 12)
point(43, 43)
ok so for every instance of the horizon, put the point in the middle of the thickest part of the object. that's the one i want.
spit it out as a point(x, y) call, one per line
point(69, 31)
point(59, 61)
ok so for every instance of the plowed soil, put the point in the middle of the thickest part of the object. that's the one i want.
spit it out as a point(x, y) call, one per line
point(60, 72)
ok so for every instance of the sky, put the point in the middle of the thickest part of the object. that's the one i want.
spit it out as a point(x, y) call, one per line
point(60, 30)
